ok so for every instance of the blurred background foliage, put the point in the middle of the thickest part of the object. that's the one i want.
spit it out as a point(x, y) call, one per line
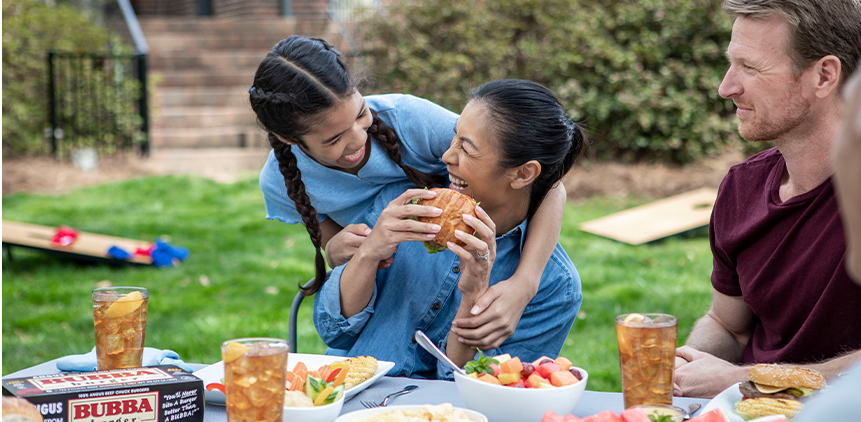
point(31, 29)
point(642, 75)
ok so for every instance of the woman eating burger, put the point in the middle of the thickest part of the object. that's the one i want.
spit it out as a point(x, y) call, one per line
point(512, 144)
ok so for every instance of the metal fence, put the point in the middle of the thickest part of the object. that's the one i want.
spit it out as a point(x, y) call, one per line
point(97, 101)
point(100, 100)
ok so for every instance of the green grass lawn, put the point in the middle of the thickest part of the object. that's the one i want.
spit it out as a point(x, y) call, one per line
point(243, 272)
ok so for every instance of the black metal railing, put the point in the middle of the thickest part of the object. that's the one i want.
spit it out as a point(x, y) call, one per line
point(97, 101)
point(100, 100)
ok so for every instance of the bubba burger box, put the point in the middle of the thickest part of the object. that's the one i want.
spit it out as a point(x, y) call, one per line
point(162, 393)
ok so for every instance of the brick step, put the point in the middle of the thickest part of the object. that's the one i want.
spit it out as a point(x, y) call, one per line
point(235, 96)
point(173, 41)
point(201, 78)
point(205, 59)
point(217, 26)
point(184, 117)
point(232, 137)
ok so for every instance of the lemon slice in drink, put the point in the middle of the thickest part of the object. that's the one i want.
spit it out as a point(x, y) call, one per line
point(233, 351)
point(125, 305)
point(635, 318)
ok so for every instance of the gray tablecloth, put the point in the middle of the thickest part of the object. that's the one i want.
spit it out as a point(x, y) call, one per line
point(429, 392)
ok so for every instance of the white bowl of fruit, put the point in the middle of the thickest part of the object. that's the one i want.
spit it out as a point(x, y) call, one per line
point(505, 389)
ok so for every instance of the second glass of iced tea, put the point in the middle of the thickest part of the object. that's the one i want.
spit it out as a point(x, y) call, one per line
point(119, 317)
point(255, 372)
point(647, 353)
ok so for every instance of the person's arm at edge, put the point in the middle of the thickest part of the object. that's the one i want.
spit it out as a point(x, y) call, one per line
point(725, 329)
point(847, 174)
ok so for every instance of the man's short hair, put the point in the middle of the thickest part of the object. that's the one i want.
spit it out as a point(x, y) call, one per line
point(817, 28)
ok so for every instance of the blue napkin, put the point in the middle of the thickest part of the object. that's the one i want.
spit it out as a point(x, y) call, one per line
point(151, 357)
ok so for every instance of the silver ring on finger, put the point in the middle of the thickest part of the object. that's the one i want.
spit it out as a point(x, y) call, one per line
point(486, 255)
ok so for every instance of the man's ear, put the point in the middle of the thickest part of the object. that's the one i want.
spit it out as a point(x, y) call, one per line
point(827, 76)
point(525, 174)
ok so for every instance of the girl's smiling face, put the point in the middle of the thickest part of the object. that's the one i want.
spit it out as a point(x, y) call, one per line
point(472, 158)
point(339, 136)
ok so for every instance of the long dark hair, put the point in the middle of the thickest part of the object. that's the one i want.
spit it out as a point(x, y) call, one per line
point(529, 123)
point(296, 82)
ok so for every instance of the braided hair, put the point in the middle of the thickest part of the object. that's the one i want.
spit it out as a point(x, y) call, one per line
point(530, 123)
point(298, 81)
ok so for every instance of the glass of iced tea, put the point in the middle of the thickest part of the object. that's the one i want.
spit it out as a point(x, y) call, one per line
point(255, 372)
point(647, 352)
point(119, 316)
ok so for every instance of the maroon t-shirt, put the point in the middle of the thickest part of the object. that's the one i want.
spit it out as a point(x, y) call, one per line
point(787, 261)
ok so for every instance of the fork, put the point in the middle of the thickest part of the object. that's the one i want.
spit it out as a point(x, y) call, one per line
point(408, 389)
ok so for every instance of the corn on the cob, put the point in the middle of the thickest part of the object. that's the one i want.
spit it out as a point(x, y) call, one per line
point(767, 406)
point(360, 369)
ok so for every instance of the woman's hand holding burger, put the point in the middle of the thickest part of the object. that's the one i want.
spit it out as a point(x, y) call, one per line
point(476, 256)
point(396, 226)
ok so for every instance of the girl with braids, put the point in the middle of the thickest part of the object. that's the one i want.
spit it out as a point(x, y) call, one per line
point(335, 153)
point(512, 144)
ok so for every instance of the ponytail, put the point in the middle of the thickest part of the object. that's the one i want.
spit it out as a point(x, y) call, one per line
point(296, 192)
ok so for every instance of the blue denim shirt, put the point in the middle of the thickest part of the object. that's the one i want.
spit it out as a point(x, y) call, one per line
point(425, 130)
point(419, 292)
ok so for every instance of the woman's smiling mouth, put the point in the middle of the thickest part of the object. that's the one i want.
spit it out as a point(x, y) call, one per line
point(457, 183)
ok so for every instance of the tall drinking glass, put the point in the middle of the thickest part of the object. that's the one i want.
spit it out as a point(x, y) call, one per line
point(119, 317)
point(647, 352)
point(255, 378)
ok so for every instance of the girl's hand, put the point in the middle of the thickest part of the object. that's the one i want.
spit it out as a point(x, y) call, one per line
point(502, 305)
point(344, 245)
point(394, 227)
point(475, 269)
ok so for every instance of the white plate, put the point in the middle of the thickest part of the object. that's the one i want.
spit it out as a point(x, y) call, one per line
point(215, 372)
point(367, 413)
point(726, 400)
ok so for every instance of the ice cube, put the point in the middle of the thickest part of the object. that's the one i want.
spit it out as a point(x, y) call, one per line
point(258, 395)
point(115, 343)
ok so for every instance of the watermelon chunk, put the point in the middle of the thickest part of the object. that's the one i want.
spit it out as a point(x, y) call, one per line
point(716, 415)
point(634, 414)
point(551, 416)
point(605, 416)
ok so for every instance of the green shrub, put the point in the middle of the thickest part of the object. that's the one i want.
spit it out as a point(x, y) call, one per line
point(641, 75)
point(30, 30)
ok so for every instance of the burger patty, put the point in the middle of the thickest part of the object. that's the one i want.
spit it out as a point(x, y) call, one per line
point(747, 389)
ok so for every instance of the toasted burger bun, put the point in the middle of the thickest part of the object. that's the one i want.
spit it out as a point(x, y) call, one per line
point(19, 410)
point(786, 376)
point(453, 205)
point(755, 408)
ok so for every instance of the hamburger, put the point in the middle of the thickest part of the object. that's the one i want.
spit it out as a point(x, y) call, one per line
point(777, 390)
point(19, 410)
point(453, 205)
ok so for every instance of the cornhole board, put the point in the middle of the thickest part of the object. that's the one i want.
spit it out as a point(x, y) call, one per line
point(87, 246)
point(656, 220)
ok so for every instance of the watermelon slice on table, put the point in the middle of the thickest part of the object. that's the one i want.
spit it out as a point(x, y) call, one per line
point(716, 415)
point(605, 416)
point(551, 416)
point(634, 415)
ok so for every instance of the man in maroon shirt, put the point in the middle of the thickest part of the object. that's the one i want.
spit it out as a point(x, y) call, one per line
point(781, 291)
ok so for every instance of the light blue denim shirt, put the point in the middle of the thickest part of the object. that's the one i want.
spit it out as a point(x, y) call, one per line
point(419, 292)
point(425, 130)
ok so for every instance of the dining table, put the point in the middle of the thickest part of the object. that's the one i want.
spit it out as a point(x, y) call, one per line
point(429, 392)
